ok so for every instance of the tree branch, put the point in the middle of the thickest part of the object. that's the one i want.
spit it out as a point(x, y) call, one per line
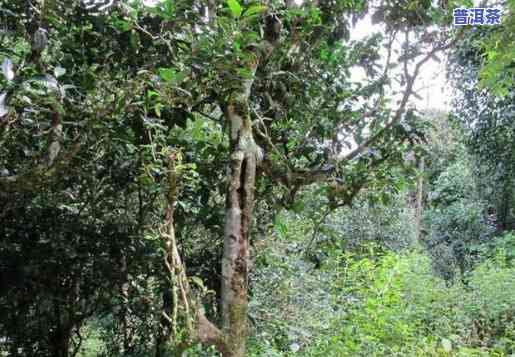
point(410, 81)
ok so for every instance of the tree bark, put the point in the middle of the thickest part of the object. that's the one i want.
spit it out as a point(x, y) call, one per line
point(245, 155)
point(60, 336)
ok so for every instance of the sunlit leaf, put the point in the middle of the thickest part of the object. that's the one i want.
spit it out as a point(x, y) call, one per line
point(59, 71)
point(235, 7)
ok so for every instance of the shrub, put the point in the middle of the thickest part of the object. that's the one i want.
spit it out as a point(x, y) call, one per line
point(404, 310)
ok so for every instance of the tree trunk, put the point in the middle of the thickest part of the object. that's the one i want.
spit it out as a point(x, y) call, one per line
point(59, 338)
point(236, 252)
point(245, 154)
point(60, 346)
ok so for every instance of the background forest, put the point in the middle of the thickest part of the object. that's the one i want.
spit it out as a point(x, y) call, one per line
point(248, 178)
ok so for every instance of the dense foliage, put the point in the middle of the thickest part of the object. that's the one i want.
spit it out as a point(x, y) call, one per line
point(181, 177)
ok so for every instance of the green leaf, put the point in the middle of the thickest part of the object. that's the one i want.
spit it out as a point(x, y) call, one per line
point(235, 7)
point(237, 46)
point(253, 10)
point(121, 25)
point(167, 74)
point(157, 109)
point(169, 9)
point(152, 93)
point(245, 73)
point(250, 36)
point(298, 206)
point(197, 281)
